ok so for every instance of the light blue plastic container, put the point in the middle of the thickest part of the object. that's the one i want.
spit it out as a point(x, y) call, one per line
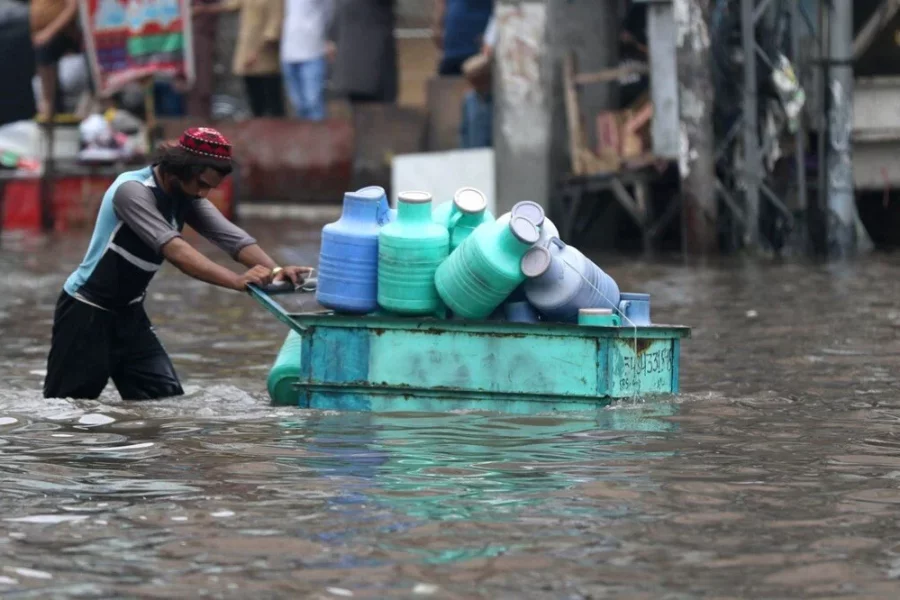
point(636, 307)
point(348, 258)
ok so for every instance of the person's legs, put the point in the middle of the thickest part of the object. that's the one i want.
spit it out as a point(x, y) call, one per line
point(49, 76)
point(291, 72)
point(78, 364)
point(256, 94)
point(477, 121)
point(141, 368)
point(312, 75)
point(274, 95)
point(47, 59)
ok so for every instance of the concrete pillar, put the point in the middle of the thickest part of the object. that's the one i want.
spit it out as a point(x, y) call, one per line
point(845, 234)
point(699, 206)
point(530, 132)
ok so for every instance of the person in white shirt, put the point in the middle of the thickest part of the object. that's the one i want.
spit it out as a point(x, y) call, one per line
point(303, 55)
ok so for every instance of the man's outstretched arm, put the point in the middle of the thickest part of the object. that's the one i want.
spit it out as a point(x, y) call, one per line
point(206, 219)
point(191, 262)
point(135, 204)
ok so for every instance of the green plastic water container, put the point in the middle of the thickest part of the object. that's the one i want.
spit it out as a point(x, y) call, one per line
point(285, 373)
point(480, 274)
point(463, 215)
point(410, 250)
point(598, 317)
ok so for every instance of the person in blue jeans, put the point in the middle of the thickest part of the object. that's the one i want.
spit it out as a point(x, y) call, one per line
point(477, 122)
point(304, 47)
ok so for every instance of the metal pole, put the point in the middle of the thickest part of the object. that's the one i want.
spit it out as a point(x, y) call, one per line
point(699, 203)
point(816, 213)
point(841, 207)
point(752, 164)
point(800, 136)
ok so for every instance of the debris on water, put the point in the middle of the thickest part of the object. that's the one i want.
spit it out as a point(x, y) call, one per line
point(38, 372)
point(752, 314)
point(30, 573)
point(4, 580)
point(117, 448)
point(222, 513)
point(179, 518)
point(95, 419)
point(425, 589)
point(8, 420)
point(48, 519)
point(339, 592)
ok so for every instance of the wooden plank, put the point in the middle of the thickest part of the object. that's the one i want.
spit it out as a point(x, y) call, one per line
point(626, 201)
point(607, 75)
point(573, 115)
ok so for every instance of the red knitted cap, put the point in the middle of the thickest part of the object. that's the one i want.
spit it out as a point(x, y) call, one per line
point(206, 142)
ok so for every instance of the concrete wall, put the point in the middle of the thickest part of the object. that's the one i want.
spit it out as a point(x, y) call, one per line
point(530, 132)
point(521, 107)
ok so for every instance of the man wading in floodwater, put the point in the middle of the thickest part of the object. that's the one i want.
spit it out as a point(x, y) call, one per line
point(100, 329)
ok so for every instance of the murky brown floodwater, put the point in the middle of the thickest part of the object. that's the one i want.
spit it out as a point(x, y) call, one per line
point(776, 474)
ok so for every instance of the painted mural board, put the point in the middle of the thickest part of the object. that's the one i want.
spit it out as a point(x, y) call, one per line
point(128, 40)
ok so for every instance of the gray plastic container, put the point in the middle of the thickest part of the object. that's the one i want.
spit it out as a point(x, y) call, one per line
point(561, 281)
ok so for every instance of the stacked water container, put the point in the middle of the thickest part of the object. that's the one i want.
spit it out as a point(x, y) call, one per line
point(456, 260)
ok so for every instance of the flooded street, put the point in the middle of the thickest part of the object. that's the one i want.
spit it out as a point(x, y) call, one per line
point(776, 474)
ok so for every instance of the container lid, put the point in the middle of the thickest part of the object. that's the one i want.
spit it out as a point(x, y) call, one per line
point(596, 312)
point(524, 230)
point(372, 191)
point(414, 197)
point(633, 296)
point(469, 200)
point(535, 262)
point(530, 210)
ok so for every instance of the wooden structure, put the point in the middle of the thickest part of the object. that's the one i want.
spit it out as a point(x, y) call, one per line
point(620, 166)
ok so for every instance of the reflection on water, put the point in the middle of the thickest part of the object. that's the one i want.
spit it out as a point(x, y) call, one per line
point(774, 475)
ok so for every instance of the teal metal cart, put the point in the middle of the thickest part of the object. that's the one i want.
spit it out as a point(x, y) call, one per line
point(386, 363)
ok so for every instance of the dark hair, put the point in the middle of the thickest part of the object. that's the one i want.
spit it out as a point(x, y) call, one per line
point(186, 166)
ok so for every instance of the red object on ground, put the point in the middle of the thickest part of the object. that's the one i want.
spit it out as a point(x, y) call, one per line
point(75, 202)
point(21, 204)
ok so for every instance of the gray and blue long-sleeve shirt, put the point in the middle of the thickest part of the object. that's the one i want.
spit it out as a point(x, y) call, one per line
point(136, 219)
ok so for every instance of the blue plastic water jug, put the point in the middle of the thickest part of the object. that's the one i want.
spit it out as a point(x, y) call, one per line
point(386, 214)
point(635, 309)
point(520, 312)
point(348, 258)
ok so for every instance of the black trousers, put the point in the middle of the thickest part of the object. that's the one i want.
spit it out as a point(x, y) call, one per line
point(91, 345)
point(265, 94)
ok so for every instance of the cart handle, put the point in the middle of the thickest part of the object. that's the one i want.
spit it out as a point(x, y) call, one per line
point(263, 295)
